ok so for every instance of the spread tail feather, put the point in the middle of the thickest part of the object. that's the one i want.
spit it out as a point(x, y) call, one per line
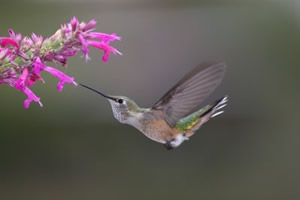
point(216, 107)
point(193, 122)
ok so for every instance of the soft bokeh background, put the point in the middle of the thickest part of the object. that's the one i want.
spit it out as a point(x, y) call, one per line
point(72, 148)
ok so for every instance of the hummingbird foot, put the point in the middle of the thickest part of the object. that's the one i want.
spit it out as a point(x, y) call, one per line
point(168, 145)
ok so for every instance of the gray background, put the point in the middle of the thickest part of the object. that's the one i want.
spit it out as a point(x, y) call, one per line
point(73, 148)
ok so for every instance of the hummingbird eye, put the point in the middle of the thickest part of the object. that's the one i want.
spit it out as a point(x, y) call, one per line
point(120, 101)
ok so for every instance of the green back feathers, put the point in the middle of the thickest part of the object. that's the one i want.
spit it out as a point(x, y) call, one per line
point(188, 122)
point(132, 106)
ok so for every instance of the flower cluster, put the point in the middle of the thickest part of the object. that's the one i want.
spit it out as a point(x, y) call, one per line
point(22, 59)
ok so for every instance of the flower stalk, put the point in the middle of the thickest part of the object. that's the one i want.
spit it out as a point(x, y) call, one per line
point(23, 59)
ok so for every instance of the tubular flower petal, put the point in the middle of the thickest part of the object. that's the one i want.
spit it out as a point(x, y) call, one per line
point(38, 66)
point(105, 47)
point(61, 76)
point(90, 25)
point(74, 23)
point(104, 37)
point(84, 44)
point(30, 97)
point(20, 84)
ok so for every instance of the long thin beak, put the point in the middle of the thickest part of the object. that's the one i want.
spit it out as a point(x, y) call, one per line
point(104, 95)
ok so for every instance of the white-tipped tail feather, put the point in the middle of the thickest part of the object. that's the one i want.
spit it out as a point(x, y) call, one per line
point(219, 105)
point(218, 113)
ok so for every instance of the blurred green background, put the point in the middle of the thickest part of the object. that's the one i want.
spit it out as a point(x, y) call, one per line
point(73, 148)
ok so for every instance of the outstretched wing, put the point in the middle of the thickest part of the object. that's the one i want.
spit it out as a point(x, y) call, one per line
point(189, 92)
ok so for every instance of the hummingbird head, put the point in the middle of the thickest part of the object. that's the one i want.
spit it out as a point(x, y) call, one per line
point(123, 108)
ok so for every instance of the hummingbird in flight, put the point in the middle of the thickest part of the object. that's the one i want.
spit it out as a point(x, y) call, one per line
point(177, 115)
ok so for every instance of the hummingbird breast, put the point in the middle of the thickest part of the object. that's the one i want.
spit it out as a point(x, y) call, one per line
point(153, 126)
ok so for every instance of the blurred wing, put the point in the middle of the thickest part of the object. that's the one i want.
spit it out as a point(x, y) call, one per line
point(189, 93)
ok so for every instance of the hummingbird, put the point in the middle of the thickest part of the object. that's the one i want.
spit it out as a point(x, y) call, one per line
point(177, 115)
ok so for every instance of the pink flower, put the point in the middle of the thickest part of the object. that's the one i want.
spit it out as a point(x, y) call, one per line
point(84, 44)
point(39, 66)
point(17, 37)
point(20, 84)
point(22, 59)
point(5, 41)
point(30, 97)
point(105, 47)
point(90, 25)
point(36, 39)
point(104, 37)
point(32, 78)
point(74, 23)
point(61, 76)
